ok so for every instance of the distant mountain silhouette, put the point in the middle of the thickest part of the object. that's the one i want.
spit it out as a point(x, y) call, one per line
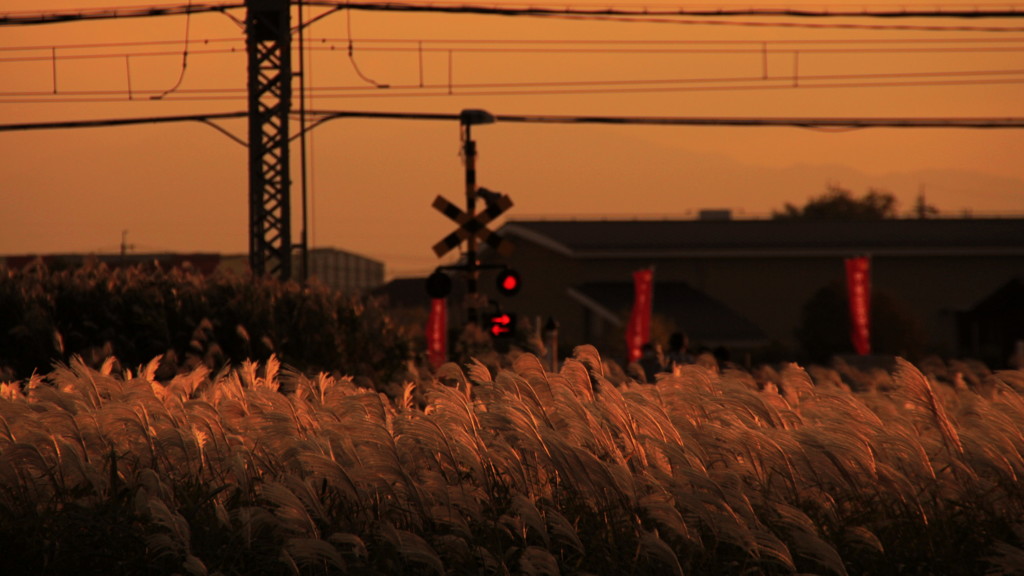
point(628, 175)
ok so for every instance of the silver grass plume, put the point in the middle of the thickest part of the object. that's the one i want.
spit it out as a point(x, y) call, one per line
point(917, 391)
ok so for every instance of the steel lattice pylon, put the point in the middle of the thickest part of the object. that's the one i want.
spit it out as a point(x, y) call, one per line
point(268, 44)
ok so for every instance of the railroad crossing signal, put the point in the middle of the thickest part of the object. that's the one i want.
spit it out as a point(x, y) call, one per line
point(470, 226)
point(472, 229)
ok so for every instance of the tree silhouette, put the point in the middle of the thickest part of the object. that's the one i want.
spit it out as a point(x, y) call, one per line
point(838, 203)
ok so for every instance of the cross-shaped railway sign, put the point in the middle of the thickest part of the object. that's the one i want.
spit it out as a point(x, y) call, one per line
point(476, 225)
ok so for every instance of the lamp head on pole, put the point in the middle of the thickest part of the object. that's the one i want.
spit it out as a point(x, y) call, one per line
point(474, 116)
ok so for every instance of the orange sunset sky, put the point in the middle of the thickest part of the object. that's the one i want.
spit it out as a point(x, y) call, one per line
point(183, 187)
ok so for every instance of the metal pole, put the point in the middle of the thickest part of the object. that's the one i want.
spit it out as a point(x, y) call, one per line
point(304, 246)
point(472, 272)
point(551, 343)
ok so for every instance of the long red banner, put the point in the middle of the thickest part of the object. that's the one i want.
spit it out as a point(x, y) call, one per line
point(638, 332)
point(858, 290)
point(437, 332)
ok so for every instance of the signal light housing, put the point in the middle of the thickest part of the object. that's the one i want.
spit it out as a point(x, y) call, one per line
point(439, 285)
point(509, 282)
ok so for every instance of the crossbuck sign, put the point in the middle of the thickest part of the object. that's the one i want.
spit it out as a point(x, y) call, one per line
point(476, 225)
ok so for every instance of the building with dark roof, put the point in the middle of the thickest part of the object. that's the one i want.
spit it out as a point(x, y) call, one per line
point(745, 283)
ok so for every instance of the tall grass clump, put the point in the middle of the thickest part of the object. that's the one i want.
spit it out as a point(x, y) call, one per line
point(262, 470)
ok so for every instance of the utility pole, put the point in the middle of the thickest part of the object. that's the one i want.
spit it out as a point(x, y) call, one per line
point(469, 158)
point(268, 46)
point(467, 119)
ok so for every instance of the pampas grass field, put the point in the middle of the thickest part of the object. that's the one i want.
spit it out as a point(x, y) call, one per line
point(259, 469)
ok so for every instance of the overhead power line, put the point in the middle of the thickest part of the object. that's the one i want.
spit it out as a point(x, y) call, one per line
point(981, 11)
point(322, 116)
point(536, 88)
point(100, 50)
point(774, 78)
point(804, 11)
point(204, 118)
point(844, 123)
point(58, 16)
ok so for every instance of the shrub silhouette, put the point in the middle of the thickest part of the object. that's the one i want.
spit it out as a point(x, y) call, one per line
point(135, 314)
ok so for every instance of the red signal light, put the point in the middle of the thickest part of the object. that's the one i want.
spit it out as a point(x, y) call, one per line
point(509, 282)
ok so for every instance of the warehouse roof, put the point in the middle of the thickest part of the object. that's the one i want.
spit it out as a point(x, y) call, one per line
point(667, 238)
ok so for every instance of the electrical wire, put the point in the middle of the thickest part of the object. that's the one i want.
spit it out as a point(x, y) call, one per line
point(210, 92)
point(206, 118)
point(556, 47)
point(785, 16)
point(124, 44)
point(637, 19)
point(329, 115)
point(446, 43)
point(822, 122)
point(184, 56)
point(114, 55)
point(678, 85)
point(721, 16)
point(893, 79)
point(651, 47)
point(596, 47)
point(939, 76)
point(27, 18)
point(412, 46)
point(351, 54)
point(442, 91)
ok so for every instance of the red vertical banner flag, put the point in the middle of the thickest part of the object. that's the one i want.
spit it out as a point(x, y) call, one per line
point(638, 332)
point(858, 290)
point(437, 332)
